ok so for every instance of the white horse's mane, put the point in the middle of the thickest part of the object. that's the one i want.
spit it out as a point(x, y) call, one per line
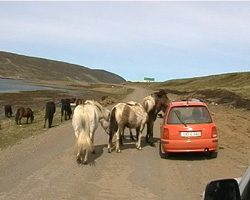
point(104, 111)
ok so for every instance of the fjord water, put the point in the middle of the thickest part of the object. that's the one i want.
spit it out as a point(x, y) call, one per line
point(13, 85)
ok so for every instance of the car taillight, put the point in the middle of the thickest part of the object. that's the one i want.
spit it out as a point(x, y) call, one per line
point(165, 134)
point(214, 132)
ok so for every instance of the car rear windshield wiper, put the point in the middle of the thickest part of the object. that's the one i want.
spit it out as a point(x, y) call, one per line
point(179, 118)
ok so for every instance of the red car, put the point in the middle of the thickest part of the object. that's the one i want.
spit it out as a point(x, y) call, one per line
point(188, 127)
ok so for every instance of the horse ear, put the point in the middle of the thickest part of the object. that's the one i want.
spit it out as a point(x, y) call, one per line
point(160, 93)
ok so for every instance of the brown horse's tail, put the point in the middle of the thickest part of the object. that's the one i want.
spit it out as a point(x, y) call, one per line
point(17, 115)
point(113, 124)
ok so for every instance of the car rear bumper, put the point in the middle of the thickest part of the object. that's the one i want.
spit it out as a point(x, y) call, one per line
point(189, 145)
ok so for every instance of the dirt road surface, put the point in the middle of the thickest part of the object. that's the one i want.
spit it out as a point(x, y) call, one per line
point(44, 166)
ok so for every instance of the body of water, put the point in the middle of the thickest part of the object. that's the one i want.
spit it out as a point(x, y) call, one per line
point(12, 85)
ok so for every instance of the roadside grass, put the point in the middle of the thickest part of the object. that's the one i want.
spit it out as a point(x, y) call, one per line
point(10, 133)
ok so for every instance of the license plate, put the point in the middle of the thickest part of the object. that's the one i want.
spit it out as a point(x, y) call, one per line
point(191, 134)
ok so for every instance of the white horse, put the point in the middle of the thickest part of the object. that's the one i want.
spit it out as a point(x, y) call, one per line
point(85, 122)
point(131, 115)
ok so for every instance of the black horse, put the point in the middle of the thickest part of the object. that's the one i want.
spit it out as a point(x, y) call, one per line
point(49, 112)
point(65, 109)
point(8, 111)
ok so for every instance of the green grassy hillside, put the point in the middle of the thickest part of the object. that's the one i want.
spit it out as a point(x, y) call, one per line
point(238, 83)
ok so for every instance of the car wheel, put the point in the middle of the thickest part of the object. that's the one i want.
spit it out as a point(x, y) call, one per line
point(213, 154)
point(162, 153)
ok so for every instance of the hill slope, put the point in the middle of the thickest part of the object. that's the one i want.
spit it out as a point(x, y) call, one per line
point(231, 88)
point(31, 68)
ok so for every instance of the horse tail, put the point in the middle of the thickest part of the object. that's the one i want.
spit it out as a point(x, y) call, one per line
point(148, 103)
point(81, 125)
point(113, 124)
point(83, 142)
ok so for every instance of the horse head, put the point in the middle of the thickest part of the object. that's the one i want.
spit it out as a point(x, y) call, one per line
point(162, 100)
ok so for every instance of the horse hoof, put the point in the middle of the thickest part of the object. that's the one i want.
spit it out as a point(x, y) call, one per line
point(139, 148)
point(84, 162)
point(78, 161)
point(118, 151)
point(152, 144)
point(109, 150)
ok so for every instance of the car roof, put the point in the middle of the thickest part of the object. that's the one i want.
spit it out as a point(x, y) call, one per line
point(187, 103)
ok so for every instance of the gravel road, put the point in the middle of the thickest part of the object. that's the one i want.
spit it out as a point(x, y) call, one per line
point(44, 166)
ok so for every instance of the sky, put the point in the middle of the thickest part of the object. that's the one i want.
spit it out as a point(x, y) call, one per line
point(163, 40)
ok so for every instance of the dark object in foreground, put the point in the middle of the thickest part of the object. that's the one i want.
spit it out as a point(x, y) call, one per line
point(226, 189)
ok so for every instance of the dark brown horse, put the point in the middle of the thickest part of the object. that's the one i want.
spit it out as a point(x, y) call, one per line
point(65, 109)
point(24, 112)
point(49, 113)
point(153, 104)
point(8, 111)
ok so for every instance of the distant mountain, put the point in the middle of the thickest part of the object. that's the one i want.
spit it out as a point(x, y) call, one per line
point(25, 67)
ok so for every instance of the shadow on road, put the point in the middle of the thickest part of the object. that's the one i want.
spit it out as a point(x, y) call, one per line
point(98, 152)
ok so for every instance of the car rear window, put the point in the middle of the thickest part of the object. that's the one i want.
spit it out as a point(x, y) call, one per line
point(189, 115)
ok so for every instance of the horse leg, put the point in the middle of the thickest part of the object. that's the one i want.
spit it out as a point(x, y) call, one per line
point(62, 114)
point(147, 134)
point(121, 138)
point(118, 134)
point(79, 156)
point(65, 115)
point(131, 135)
point(50, 121)
point(45, 122)
point(85, 161)
point(92, 139)
point(110, 142)
point(139, 135)
point(150, 133)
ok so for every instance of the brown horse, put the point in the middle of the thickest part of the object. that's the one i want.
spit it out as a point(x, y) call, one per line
point(24, 112)
point(8, 111)
point(153, 104)
point(49, 113)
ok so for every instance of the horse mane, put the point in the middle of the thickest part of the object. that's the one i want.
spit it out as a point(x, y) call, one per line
point(132, 103)
point(98, 105)
point(160, 93)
